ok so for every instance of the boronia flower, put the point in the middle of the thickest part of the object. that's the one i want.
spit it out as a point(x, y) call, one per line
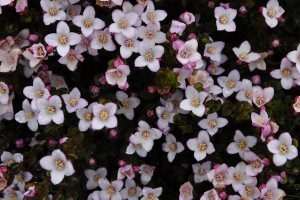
point(271, 191)
point(224, 19)
point(294, 56)
point(287, 74)
point(58, 165)
point(37, 90)
point(117, 75)
point(214, 50)
point(241, 143)
point(149, 56)
point(254, 194)
point(262, 96)
point(194, 101)
point(94, 176)
point(272, 12)
point(186, 191)
point(260, 120)
point(128, 45)
point(151, 34)
point(200, 171)
point(231, 83)
point(153, 16)
point(87, 21)
point(85, 45)
point(138, 9)
point(128, 104)
point(187, 53)
point(104, 116)
point(246, 91)
point(135, 146)
point(244, 52)
point(165, 115)
point(201, 145)
point(283, 149)
point(73, 101)
point(211, 195)
point(53, 11)
point(102, 40)
point(71, 59)
point(8, 158)
point(50, 110)
point(9, 59)
point(172, 147)
point(131, 190)
point(85, 116)
point(62, 39)
point(215, 174)
point(150, 193)
point(28, 115)
point(255, 164)
point(110, 190)
point(212, 123)
point(21, 178)
point(259, 63)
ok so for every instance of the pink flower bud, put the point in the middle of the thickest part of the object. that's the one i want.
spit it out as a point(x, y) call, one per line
point(243, 10)
point(177, 27)
point(225, 5)
point(177, 44)
point(94, 90)
point(113, 133)
point(192, 36)
point(281, 19)
point(223, 195)
point(122, 163)
point(276, 43)
point(92, 162)
point(33, 37)
point(150, 113)
point(173, 37)
point(211, 4)
point(136, 168)
point(270, 52)
point(52, 143)
point(49, 49)
point(283, 175)
point(3, 169)
point(30, 192)
point(151, 89)
point(118, 62)
point(187, 17)
point(63, 140)
point(125, 86)
point(266, 161)
point(20, 143)
point(102, 80)
point(261, 9)
point(262, 186)
point(255, 79)
point(216, 165)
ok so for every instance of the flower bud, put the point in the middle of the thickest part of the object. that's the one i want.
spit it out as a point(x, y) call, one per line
point(276, 43)
point(243, 10)
point(187, 17)
point(255, 79)
point(33, 37)
point(20, 143)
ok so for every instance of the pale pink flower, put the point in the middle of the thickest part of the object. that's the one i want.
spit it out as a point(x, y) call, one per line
point(128, 45)
point(186, 191)
point(241, 143)
point(255, 164)
point(172, 147)
point(187, 17)
point(104, 116)
point(150, 192)
point(231, 83)
point(261, 120)
point(9, 59)
point(110, 190)
point(271, 191)
point(200, 171)
point(272, 12)
point(262, 96)
point(71, 59)
point(187, 53)
point(224, 19)
point(153, 16)
point(246, 91)
point(94, 176)
point(102, 40)
point(211, 195)
point(219, 171)
point(214, 50)
point(85, 45)
point(151, 34)
point(73, 101)
point(244, 53)
point(212, 123)
point(177, 27)
point(53, 11)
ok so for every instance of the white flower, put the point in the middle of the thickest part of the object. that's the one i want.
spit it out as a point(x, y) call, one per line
point(62, 39)
point(104, 116)
point(135, 146)
point(250, 192)
point(219, 176)
point(94, 195)
point(246, 92)
point(271, 191)
point(259, 63)
point(153, 16)
point(128, 104)
point(294, 56)
point(86, 116)
point(151, 34)
point(150, 193)
point(172, 147)
point(4, 93)
point(175, 99)
point(58, 81)
point(87, 21)
point(110, 191)
point(85, 45)
point(194, 101)
point(262, 96)
point(37, 90)
point(244, 53)
point(213, 123)
point(147, 135)
point(123, 23)
point(53, 11)
point(128, 45)
point(272, 12)
point(283, 149)
point(224, 19)
point(117, 75)
point(131, 190)
point(28, 115)
point(187, 53)
point(201, 145)
point(9, 60)
point(255, 164)
point(138, 9)
point(149, 56)
point(8, 158)
point(73, 101)
point(165, 115)
point(211, 195)
point(146, 172)
point(50, 110)
point(10, 193)
point(287, 73)
point(239, 176)
point(200, 171)
point(21, 178)
point(71, 59)
point(58, 165)
point(94, 176)
point(214, 50)
point(241, 143)
point(231, 83)
point(102, 39)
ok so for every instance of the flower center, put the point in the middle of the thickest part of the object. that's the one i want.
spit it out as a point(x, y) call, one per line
point(88, 22)
point(123, 24)
point(20, 177)
point(63, 40)
point(149, 56)
point(175, 104)
point(117, 74)
point(137, 146)
point(51, 109)
point(261, 120)
point(73, 102)
point(151, 196)
point(72, 57)
point(30, 115)
point(211, 50)
point(2, 90)
point(212, 123)
point(40, 51)
point(237, 176)
point(151, 16)
point(128, 43)
point(88, 117)
point(111, 190)
point(223, 19)
point(39, 93)
point(185, 53)
point(248, 94)
point(243, 56)
point(286, 72)
point(132, 191)
point(211, 195)
point(125, 104)
point(196, 102)
point(230, 84)
point(150, 35)
point(202, 146)
point(96, 177)
point(260, 101)
point(10, 60)
point(73, 12)
point(256, 164)
point(271, 13)
point(173, 147)
point(59, 164)
point(13, 196)
point(249, 191)
point(242, 144)
point(202, 171)
point(268, 194)
point(146, 134)
point(103, 115)
point(102, 38)
point(53, 11)
point(10, 162)
point(220, 176)
point(283, 149)
point(165, 115)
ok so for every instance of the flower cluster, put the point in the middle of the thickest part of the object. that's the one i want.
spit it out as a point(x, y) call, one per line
point(131, 99)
